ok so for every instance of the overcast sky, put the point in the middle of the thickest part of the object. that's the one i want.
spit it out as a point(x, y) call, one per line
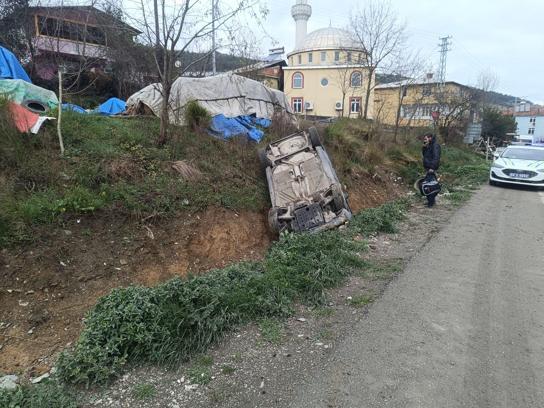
point(504, 36)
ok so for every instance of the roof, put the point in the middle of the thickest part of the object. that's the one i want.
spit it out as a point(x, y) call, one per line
point(411, 82)
point(89, 14)
point(328, 38)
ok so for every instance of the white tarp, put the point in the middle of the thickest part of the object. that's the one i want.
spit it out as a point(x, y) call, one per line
point(228, 94)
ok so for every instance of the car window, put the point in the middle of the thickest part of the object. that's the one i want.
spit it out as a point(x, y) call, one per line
point(524, 154)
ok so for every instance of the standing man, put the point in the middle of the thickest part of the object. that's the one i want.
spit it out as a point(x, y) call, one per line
point(431, 161)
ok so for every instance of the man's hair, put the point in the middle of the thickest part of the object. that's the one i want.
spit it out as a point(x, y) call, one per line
point(429, 134)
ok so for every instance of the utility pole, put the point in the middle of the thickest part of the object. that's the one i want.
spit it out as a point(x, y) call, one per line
point(445, 44)
point(214, 16)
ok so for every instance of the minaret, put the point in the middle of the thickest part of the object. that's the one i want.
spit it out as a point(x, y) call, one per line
point(301, 12)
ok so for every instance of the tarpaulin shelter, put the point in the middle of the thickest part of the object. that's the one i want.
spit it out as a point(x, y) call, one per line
point(10, 67)
point(31, 96)
point(228, 94)
point(112, 106)
point(24, 120)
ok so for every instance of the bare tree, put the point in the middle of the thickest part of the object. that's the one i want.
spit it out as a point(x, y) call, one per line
point(381, 36)
point(173, 29)
point(411, 67)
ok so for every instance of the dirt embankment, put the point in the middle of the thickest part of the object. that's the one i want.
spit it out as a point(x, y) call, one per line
point(47, 288)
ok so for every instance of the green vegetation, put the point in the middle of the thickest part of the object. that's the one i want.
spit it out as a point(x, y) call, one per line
point(48, 394)
point(196, 117)
point(228, 369)
point(361, 300)
point(200, 372)
point(144, 391)
point(182, 317)
point(113, 165)
point(271, 330)
point(381, 270)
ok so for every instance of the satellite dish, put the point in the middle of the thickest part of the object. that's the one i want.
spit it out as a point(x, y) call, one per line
point(177, 64)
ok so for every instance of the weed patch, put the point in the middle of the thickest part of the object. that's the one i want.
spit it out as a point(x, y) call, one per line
point(361, 300)
point(144, 391)
point(271, 330)
point(48, 394)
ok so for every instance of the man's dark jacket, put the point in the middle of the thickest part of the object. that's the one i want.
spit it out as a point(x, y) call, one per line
point(431, 155)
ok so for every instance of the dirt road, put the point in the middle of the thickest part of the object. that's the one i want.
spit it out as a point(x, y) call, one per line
point(463, 326)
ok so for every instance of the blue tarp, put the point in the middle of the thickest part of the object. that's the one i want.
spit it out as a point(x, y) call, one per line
point(10, 68)
point(112, 106)
point(73, 108)
point(225, 128)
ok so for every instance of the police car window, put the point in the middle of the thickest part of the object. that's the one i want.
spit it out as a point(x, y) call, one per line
point(524, 154)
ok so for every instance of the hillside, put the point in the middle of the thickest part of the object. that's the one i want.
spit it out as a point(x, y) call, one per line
point(117, 210)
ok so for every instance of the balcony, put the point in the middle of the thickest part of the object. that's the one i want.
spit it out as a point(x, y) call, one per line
point(44, 43)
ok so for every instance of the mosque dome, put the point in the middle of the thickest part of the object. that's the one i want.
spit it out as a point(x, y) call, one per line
point(328, 38)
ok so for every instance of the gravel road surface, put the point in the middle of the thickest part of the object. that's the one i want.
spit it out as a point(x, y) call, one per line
point(463, 326)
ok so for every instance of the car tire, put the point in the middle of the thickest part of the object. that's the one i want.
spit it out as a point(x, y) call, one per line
point(339, 200)
point(263, 158)
point(314, 137)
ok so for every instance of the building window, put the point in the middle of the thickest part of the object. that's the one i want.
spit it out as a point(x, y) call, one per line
point(323, 56)
point(297, 104)
point(348, 56)
point(531, 131)
point(54, 27)
point(426, 91)
point(532, 121)
point(336, 56)
point(356, 79)
point(354, 105)
point(298, 80)
point(310, 57)
point(299, 58)
point(324, 82)
point(404, 91)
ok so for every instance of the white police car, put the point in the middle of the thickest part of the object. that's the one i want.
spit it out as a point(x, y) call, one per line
point(521, 165)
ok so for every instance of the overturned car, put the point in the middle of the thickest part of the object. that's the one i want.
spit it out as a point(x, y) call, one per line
point(305, 192)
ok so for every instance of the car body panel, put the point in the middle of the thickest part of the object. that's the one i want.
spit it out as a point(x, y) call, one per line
point(509, 169)
point(304, 189)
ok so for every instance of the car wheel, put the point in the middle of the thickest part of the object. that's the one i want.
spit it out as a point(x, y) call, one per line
point(339, 200)
point(314, 137)
point(263, 158)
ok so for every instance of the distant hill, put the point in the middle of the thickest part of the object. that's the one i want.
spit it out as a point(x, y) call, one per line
point(224, 62)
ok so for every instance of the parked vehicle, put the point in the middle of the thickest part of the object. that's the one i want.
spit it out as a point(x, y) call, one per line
point(305, 192)
point(522, 165)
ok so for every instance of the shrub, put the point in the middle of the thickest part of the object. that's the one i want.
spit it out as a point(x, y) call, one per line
point(195, 116)
point(48, 394)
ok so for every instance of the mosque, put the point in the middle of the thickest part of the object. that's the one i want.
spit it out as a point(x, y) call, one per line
point(324, 76)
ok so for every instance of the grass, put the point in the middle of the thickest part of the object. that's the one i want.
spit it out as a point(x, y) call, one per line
point(271, 330)
point(201, 372)
point(379, 270)
point(227, 369)
point(182, 317)
point(144, 391)
point(113, 166)
point(48, 394)
point(361, 300)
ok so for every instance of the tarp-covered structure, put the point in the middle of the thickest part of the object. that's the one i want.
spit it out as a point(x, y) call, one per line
point(112, 106)
point(228, 94)
point(28, 95)
point(247, 125)
point(10, 67)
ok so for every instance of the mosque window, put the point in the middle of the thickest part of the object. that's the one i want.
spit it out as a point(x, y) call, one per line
point(310, 57)
point(298, 80)
point(356, 79)
point(355, 105)
point(323, 56)
point(297, 104)
point(299, 59)
point(336, 56)
point(348, 56)
point(324, 82)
